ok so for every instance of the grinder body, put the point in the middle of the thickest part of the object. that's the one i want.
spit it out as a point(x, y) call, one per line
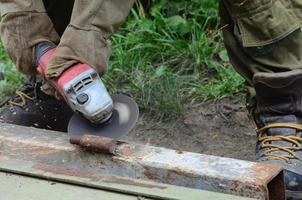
point(80, 86)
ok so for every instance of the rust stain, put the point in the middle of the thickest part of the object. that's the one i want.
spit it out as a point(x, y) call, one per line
point(267, 167)
point(181, 171)
point(270, 177)
point(150, 174)
point(66, 171)
point(97, 144)
point(20, 151)
point(93, 176)
point(169, 178)
point(265, 173)
point(38, 151)
point(247, 189)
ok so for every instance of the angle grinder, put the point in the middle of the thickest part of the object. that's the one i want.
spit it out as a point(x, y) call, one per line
point(96, 111)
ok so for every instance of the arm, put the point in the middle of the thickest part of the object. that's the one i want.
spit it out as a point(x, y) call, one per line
point(84, 40)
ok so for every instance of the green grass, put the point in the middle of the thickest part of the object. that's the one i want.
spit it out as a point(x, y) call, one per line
point(12, 79)
point(167, 60)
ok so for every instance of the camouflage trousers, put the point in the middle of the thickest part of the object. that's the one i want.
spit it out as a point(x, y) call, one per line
point(262, 35)
point(79, 28)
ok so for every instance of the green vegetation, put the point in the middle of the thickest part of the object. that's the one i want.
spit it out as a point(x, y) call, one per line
point(168, 59)
point(12, 78)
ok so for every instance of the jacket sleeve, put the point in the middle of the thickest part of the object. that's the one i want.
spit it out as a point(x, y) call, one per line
point(84, 40)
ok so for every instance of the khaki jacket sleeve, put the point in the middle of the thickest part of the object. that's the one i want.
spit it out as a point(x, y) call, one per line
point(84, 40)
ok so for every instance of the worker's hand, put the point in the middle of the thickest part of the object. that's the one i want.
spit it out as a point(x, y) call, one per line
point(84, 40)
point(24, 24)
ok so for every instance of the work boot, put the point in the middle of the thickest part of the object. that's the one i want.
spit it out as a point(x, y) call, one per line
point(32, 107)
point(278, 116)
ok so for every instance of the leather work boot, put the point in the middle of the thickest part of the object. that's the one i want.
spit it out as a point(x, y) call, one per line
point(32, 107)
point(278, 116)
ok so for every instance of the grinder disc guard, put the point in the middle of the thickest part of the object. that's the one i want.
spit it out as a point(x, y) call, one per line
point(124, 117)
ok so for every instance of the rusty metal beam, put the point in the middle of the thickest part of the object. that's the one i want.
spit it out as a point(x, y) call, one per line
point(100, 182)
point(140, 162)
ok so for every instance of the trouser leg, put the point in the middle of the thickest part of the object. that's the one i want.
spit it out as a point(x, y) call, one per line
point(60, 13)
point(262, 35)
point(264, 42)
point(24, 24)
point(84, 39)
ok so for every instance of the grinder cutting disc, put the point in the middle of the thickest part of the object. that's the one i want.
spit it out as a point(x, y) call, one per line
point(124, 117)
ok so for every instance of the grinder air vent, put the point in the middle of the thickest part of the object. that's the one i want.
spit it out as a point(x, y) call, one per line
point(82, 83)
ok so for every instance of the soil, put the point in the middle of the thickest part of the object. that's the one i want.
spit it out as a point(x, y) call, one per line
point(220, 128)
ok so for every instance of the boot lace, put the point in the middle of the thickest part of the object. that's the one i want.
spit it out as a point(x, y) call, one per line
point(266, 142)
point(20, 96)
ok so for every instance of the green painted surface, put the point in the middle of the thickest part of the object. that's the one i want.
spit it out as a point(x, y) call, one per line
point(15, 187)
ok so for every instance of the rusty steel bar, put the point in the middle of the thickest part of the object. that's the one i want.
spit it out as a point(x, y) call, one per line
point(140, 162)
point(96, 144)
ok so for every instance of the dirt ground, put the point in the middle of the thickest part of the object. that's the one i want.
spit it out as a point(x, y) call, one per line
point(219, 128)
